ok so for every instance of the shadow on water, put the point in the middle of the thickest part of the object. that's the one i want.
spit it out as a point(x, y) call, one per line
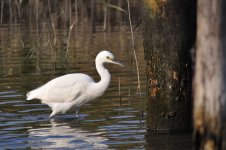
point(169, 141)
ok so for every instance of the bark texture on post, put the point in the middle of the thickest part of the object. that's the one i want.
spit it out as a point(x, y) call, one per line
point(209, 77)
point(169, 34)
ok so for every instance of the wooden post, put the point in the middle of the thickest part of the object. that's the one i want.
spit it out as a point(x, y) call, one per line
point(169, 34)
point(209, 80)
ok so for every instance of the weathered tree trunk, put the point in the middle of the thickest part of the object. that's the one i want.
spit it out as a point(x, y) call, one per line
point(169, 34)
point(209, 80)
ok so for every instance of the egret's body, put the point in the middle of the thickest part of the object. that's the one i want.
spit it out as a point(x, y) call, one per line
point(71, 91)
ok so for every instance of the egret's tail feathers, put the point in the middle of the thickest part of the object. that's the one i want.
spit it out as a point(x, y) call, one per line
point(31, 95)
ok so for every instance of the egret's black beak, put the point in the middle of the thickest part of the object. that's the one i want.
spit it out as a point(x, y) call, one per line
point(115, 61)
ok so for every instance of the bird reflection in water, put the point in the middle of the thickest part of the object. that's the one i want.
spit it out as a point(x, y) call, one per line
point(65, 134)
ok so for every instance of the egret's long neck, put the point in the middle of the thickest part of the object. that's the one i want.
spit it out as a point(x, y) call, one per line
point(105, 76)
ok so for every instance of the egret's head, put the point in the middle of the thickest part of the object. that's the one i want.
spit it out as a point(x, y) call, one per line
point(107, 57)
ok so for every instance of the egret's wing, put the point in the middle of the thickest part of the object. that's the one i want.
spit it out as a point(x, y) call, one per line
point(62, 94)
point(66, 88)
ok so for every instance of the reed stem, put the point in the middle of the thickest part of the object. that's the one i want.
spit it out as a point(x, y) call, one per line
point(135, 56)
point(52, 24)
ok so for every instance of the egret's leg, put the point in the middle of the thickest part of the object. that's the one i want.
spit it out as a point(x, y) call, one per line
point(52, 114)
point(77, 112)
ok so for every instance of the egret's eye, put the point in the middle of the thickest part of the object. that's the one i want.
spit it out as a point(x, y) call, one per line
point(108, 57)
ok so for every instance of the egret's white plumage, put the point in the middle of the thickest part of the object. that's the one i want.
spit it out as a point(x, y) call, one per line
point(71, 91)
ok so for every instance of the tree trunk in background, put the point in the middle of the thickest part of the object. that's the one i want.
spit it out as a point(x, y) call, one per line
point(169, 34)
point(209, 80)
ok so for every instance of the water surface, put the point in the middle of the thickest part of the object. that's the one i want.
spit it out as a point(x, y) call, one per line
point(29, 57)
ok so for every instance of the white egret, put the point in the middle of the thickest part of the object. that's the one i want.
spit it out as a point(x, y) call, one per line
point(71, 91)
